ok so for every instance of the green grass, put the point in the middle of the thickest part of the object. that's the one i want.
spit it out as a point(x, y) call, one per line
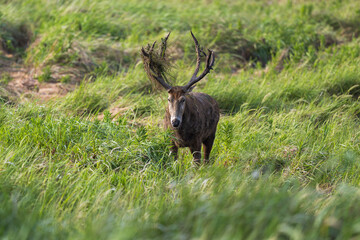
point(286, 158)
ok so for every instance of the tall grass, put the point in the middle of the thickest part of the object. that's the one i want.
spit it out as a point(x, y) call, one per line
point(285, 160)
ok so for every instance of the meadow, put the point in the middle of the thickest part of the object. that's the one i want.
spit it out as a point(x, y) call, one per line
point(94, 163)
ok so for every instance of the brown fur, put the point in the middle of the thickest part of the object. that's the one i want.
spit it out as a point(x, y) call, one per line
point(198, 125)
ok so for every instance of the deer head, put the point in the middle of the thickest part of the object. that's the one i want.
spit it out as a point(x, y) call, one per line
point(177, 94)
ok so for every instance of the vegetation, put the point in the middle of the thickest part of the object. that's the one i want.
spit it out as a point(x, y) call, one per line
point(286, 158)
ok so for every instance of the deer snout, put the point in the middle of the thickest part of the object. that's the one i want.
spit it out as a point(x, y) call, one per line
point(175, 122)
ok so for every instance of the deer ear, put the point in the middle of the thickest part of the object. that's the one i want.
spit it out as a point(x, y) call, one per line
point(190, 88)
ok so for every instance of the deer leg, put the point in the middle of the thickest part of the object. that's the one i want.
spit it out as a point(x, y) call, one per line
point(207, 145)
point(174, 150)
point(196, 152)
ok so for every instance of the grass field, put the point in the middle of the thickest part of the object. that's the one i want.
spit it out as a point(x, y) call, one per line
point(94, 162)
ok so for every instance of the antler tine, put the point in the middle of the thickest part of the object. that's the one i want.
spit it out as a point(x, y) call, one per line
point(210, 60)
point(163, 46)
point(197, 49)
point(152, 49)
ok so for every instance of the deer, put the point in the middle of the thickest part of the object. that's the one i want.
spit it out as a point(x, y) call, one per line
point(191, 116)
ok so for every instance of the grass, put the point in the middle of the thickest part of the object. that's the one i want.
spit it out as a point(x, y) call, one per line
point(285, 161)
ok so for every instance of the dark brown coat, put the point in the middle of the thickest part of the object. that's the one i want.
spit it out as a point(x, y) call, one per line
point(199, 121)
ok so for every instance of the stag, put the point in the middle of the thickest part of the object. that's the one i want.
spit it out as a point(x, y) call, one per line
point(192, 116)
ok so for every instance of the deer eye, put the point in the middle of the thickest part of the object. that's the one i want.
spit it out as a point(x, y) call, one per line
point(182, 100)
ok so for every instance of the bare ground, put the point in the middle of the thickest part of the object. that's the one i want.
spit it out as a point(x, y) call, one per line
point(23, 82)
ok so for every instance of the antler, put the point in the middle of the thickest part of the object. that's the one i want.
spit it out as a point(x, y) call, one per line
point(210, 59)
point(163, 45)
point(154, 67)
